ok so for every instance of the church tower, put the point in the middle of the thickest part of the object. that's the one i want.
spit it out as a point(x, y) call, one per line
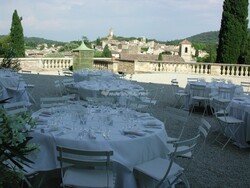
point(185, 50)
point(111, 34)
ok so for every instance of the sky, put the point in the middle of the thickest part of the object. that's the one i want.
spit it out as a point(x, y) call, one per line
point(69, 20)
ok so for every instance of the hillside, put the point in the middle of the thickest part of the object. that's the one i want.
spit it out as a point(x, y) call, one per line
point(34, 41)
point(206, 37)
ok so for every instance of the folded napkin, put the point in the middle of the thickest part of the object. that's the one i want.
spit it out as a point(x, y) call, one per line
point(92, 135)
point(45, 114)
point(40, 120)
point(53, 128)
point(133, 132)
point(152, 124)
point(239, 98)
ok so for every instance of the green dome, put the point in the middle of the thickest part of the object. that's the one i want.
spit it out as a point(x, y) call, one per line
point(82, 47)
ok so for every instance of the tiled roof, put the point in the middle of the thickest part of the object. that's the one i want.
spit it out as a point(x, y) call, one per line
point(185, 42)
point(139, 57)
point(172, 58)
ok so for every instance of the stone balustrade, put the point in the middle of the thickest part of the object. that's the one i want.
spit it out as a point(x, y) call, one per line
point(133, 67)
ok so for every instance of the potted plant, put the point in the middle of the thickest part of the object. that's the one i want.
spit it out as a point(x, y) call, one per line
point(14, 146)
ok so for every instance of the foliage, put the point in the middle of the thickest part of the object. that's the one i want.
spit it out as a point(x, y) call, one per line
point(14, 143)
point(16, 36)
point(54, 55)
point(106, 52)
point(9, 62)
point(4, 44)
point(247, 58)
point(167, 53)
point(69, 46)
point(98, 53)
point(210, 48)
point(144, 49)
point(98, 42)
point(233, 32)
point(160, 57)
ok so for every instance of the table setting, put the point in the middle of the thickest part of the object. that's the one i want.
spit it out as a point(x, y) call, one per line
point(12, 87)
point(107, 86)
point(86, 74)
point(212, 89)
point(99, 127)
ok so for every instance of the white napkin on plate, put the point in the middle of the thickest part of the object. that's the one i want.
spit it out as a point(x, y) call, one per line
point(133, 132)
point(152, 124)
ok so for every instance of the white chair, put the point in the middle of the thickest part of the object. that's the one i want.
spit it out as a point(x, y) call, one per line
point(225, 121)
point(175, 117)
point(226, 92)
point(192, 80)
point(15, 108)
point(159, 171)
point(28, 88)
point(58, 87)
point(246, 87)
point(146, 101)
point(180, 94)
point(47, 102)
point(67, 82)
point(198, 97)
point(218, 80)
point(80, 168)
point(203, 130)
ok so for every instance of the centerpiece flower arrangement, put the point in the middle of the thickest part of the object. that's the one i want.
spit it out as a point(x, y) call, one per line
point(14, 147)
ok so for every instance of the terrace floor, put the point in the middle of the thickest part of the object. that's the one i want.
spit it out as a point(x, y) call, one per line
point(212, 167)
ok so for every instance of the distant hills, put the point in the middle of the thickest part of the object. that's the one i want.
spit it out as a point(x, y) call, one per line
point(206, 37)
point(38, 40)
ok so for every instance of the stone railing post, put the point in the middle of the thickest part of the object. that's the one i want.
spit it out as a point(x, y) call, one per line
point(215, 69)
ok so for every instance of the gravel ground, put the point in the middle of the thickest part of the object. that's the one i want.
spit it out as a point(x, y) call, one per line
point(211, 167)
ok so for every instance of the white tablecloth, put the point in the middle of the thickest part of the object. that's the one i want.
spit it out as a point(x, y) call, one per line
point(134, 137)
point(12, 87)
point(82, 75)
point(103, 84)
point(240, 108)
point(112, 88)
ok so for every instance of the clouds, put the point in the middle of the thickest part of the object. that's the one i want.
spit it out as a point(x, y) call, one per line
point(66, 20)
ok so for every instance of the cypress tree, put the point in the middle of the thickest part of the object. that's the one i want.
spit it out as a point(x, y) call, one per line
point(16, 35)
point(233, 32)
point(106, 52)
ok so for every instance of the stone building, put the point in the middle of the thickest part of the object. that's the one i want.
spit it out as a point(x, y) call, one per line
point(185, 50)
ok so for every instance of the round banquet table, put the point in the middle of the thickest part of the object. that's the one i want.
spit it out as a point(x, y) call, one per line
point(134, 137)
point(12, 87)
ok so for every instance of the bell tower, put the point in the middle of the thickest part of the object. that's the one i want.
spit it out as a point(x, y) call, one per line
point(185, 50)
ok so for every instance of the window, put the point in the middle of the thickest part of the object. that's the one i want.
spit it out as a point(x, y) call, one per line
point(186, 49)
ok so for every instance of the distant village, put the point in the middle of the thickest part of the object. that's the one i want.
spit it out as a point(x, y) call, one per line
point(141, 50)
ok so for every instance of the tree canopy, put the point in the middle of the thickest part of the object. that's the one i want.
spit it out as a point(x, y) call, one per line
point(106, 52)
point(16, 35)
point(233, 32)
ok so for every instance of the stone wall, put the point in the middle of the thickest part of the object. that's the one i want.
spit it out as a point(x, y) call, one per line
point(126, 67)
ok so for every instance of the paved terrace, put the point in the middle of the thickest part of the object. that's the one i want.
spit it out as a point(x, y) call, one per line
point(212, 167)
